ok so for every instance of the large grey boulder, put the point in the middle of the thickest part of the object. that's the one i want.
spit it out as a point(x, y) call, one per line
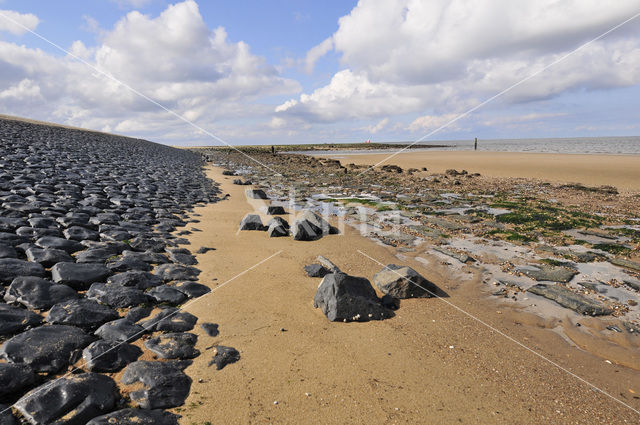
point(277, 227)
point(165, 385)
point(348, 298)
point(46, 348)
point(256, 194)
point(309, 226)
point(275, 210)
point(316, 270)
point(252, 222)
point(72, 400)
point(403, 282)
point(136, 417)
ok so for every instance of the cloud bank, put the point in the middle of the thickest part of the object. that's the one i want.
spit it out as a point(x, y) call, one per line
point(438, 58)
point(174, 59)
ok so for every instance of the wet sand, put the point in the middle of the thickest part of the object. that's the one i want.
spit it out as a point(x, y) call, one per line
point(429, 364)
point(621, 171)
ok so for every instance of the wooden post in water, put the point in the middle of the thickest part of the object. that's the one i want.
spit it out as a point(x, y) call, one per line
point(475, 145)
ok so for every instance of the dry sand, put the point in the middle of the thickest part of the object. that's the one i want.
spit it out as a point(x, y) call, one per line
point(428, 364)
point(621, 171)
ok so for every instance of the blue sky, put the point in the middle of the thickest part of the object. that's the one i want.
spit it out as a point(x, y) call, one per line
point(307, 71)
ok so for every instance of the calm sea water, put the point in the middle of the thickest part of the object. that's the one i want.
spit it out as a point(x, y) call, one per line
point(583, 145)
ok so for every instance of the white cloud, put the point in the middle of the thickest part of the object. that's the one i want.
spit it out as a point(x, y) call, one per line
point(431, 122)
point(17, 23)
point(442, 57)
point(25, 89)
point(373, 129)
point(351, 95)
point(173, 58)
point(316, 53)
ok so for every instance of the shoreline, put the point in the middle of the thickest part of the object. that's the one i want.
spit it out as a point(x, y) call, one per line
point(620, 171)
point(329, 153)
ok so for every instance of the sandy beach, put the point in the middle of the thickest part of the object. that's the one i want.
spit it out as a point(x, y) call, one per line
point(621, 171)
point(431, 363)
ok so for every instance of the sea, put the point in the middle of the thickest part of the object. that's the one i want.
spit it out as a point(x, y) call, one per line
point(582, 145)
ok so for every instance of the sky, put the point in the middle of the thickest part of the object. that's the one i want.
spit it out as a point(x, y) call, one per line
point(301, 71)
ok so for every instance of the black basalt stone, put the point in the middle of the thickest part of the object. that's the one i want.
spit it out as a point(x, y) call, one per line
point(124, 264)
point(180, 345)
point(46, 348)
point(138, 279)
point(72, 400)
point(117, 296)
point(37, 293)
point(16, 319)
point(96, 255)
point(109, 356)
point(59, 243)
point(79, 275)
point(256, 194)
point(348, 298)
point(48, 256)
point(6, 416)
point(169, 272)
point(191, 289)
point(316, 270)
point(84, 313)
point(224, 356)
point(10, 268)
point(167, 294)
point(7, 251)
point(138, 313)
point(252, 222)
point(123, 330)
point(78, 233)
point(210, 328)
point(275, 210)
point(171, 320)
point(15, 377)
point(136, 417)
point(165, 384)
